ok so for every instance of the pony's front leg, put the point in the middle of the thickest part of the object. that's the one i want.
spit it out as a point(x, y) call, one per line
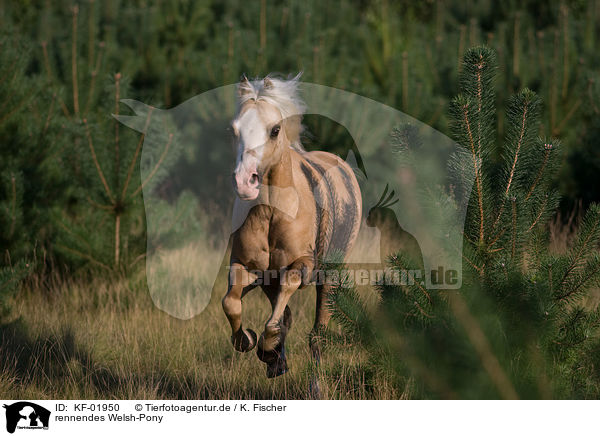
point(271, 347)
point(240, 282)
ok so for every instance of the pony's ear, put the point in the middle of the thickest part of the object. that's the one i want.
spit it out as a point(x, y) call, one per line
point(245, 87)
point(268, 83)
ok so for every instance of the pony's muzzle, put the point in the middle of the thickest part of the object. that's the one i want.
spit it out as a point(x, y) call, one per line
point(246, 184)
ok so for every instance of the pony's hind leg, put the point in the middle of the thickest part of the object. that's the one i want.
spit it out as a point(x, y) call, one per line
point(241, 281)
point(322, 317)
point(316, 337)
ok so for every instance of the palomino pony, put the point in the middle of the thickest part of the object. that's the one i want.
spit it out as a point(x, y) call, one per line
point(294, 209)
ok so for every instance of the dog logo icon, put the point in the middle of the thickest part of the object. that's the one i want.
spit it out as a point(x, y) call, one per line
point(26, 415)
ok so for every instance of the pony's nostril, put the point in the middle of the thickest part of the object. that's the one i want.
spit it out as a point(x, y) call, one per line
point(253, 179)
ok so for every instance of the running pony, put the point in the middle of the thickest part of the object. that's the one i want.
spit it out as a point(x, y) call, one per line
point(294, 210)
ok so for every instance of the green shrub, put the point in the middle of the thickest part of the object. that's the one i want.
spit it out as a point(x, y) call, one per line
point(516, 328)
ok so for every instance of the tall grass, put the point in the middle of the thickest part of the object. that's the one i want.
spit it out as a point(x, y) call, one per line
point(106, 339)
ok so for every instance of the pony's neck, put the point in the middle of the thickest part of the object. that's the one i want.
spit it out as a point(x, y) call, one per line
point(280, 173)
point(281, 193)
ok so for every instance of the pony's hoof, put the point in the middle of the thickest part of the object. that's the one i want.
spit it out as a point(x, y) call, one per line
point(244, 340)
point(277, 368)
point(270, 357)
point(275, 360)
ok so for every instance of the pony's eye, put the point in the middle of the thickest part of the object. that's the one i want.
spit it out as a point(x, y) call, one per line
point(275, 131)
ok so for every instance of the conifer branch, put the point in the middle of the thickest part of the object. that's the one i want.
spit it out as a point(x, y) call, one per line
point(424, 291)
point(479, 104)
point(475, 267)
point(406, 267)
point(512, 170)
point(117, 123)
point(96, 163)
point(84, 256)
point(137, 259)
point(497, 237)
point(8, 99)
point(588, 274)
point(75, 235)
point(63, 106)
point(98, 205)
point(519, 143)
point(17, 108)
point(93, 79)
point(335, 308)
point(539, 173)
point(580, 252)
point(464, 256)
point(476, 166)
point(423, 311)
point(537, 218)
point(136, 153)
point(528, 110)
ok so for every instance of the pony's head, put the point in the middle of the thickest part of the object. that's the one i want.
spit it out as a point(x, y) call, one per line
point(268, 122)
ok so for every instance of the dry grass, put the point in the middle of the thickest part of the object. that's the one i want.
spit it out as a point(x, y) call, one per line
point(108, 340)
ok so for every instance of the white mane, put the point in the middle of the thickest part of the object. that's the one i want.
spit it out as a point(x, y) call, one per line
point(282, 94)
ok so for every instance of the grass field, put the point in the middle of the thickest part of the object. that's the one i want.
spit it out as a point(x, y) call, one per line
point(108, 340)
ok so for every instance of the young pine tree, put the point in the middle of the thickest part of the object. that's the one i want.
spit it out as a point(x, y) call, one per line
point(106, 228)
point(31, 183)
point(517, 328)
